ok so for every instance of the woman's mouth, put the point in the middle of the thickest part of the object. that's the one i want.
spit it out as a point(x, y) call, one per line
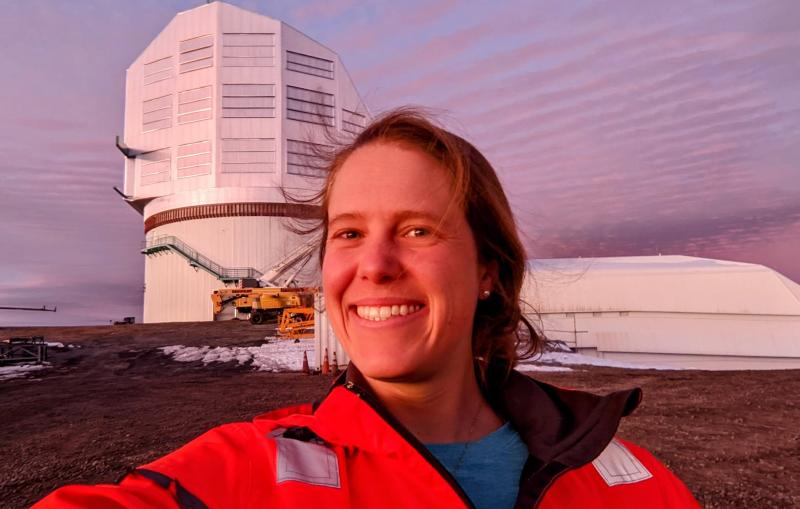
point(381, 313)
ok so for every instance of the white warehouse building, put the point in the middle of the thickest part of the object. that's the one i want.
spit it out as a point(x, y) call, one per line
point(222, 113)
point(669, 310)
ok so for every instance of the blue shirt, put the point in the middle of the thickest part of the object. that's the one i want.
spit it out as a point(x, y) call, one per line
point(489, 468)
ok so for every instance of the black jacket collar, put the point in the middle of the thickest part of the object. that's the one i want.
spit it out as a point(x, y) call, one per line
point(562, 429)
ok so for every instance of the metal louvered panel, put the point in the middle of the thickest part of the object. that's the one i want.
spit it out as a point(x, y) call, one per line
point(194, 159)
point(248, 100)
point(196, 53)
point(249, 144)
point(157, 113)
point(248, 50)
point(254, 39)
point(310, 106)
point(248, 90)
point(202, 104)
point(154, 116)
point(248, 112)
point(155, 167)
point(353, 122)
point(195, 43)
point(157, 70)
point(308, 64)
point(311, 96)
point(307, 159)
point(194, 94)
point(234, 158)
point(194, 105)
point(197, 64)
point(155, 178)
point(157, 103)
point(248, 155)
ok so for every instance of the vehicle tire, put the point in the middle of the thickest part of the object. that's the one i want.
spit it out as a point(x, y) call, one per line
point(256, 317)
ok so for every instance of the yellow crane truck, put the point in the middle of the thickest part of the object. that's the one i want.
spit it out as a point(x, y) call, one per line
point(262, 304)
point(272, 297)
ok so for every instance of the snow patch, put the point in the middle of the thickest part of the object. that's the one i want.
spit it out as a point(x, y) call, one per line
point(572, 359)
point(8, 372)
point(55, 344)
point(528, 368)
point(275, 356)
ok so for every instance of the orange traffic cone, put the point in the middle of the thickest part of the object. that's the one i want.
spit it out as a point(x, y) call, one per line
point(326, 366)
point(335, 364)
point(306, 370)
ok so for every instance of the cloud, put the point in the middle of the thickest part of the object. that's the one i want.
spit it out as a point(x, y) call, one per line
point(617, 127)
point(322, 9)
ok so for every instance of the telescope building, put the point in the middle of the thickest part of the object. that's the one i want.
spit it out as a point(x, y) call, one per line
point(223, 110)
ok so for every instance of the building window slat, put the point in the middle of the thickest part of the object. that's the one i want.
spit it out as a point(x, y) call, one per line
point(194, 159)
point(304, 158)
point(157, 113)
point(248, 155)
point(194, 105)
point(196, 53)
point(308, 64)
point(247, 100)
point(248, 50)
point(310, 106)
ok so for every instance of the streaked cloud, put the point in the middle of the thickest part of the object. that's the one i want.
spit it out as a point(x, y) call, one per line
point(618, 127)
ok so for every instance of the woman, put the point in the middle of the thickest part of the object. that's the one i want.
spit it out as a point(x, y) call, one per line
point(422, 270)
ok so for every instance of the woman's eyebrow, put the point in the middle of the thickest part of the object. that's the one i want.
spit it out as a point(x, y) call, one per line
point(417, 214)
point(400, 215)
point(345, 216)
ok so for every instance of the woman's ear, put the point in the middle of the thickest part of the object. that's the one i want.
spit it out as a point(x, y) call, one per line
point(490, 273)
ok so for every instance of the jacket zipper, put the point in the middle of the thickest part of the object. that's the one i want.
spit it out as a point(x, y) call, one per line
point(412, 441)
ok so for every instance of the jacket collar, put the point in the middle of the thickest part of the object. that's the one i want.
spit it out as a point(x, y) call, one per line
point(562, 429)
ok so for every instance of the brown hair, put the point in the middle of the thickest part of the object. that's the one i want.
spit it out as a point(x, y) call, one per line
point(501, 334)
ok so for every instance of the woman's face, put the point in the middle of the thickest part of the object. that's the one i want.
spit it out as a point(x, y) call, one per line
point(401, 272)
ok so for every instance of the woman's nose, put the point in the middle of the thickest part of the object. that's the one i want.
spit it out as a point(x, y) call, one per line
point(379, 261)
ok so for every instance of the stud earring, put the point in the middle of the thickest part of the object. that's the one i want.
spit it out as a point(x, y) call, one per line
point(485, 294)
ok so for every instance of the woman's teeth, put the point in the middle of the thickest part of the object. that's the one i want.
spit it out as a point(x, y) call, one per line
point(379, 313)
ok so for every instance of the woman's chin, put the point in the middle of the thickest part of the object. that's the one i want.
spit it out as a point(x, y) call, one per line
point(388, 367)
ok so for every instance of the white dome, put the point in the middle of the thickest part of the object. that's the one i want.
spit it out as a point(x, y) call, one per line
point(679, 284)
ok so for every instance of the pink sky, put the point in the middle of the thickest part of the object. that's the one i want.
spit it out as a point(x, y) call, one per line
point(618, 127)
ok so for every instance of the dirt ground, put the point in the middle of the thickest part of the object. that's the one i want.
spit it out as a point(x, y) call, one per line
point(116, 402)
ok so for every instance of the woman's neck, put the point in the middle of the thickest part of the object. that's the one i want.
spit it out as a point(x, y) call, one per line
point(440, 410)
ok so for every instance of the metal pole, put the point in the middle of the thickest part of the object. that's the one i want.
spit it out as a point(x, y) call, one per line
point(43, 308)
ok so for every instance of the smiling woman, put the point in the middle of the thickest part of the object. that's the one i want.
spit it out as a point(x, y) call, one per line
point(422, 270)
point(396, 242)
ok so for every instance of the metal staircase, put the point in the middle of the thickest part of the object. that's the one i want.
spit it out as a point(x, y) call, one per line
point(162, 243)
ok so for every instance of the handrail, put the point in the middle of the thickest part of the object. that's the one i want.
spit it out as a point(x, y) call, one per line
point(197, 259)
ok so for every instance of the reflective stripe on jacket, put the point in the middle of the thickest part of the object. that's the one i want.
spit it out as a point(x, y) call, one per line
point(349, 452)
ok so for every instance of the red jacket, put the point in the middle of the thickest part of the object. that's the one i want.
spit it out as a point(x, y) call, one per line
point(349, 452)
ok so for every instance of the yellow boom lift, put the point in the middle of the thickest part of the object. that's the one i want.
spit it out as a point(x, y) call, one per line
point(274, 299)
point(297, 323)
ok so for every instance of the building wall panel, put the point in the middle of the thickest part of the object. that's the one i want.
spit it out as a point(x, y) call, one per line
point(175, 292)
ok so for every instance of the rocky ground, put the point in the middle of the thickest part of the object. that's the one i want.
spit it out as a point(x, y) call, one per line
point(115, 401)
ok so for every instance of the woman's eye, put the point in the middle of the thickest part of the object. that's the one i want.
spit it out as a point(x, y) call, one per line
point(418, 232)
point(348, 235)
